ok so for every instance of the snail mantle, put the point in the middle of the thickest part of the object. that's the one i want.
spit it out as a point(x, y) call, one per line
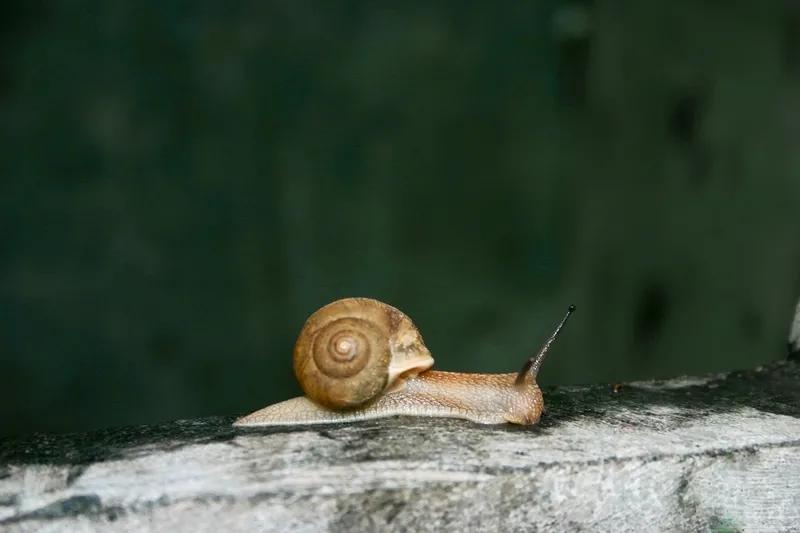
point(710, 453)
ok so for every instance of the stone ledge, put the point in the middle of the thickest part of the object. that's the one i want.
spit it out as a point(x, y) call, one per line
point(718, 452)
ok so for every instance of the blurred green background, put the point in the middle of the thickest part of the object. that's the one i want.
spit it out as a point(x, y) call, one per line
point(183, 183)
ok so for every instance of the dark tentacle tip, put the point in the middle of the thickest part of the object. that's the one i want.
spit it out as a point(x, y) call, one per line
point(532, 365)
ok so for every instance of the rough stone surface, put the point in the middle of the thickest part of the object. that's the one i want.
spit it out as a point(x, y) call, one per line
point(718, 453)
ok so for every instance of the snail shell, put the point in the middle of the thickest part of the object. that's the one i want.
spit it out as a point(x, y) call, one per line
point(352, 350)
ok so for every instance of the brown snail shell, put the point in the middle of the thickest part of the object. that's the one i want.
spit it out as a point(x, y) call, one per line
point(352, 350)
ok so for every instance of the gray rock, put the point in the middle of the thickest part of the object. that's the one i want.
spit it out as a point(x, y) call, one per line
point(714, 453)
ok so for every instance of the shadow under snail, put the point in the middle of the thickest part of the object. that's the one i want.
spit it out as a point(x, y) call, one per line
point(359, 359)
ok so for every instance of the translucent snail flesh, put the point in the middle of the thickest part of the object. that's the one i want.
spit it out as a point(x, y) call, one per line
point(359, 359)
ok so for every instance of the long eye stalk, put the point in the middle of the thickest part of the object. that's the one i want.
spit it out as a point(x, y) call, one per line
point(532, 365)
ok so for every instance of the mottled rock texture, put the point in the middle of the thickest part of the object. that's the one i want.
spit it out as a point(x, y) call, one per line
point(714, 453)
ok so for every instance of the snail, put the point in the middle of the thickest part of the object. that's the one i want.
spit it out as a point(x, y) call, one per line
point(359, 359)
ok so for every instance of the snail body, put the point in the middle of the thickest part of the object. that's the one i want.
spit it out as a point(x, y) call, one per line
point(360, 359)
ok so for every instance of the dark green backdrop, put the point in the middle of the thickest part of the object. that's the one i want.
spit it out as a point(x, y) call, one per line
point(184, 182)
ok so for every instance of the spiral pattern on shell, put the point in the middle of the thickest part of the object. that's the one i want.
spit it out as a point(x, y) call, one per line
point(342, 355)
